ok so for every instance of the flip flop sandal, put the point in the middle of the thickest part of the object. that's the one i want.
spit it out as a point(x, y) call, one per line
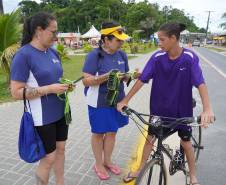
point(128, 178)
point(101, 175)
point(114, 169)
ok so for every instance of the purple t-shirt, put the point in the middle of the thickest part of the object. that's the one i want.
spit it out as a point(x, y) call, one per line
point(171, 93)
point(99, 62)
point(38, 68)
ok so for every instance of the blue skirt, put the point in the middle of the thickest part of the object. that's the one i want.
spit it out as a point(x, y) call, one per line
point(106, 119)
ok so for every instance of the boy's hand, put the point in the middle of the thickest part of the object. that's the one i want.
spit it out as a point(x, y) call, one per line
point(207, 117)
point(121, 104)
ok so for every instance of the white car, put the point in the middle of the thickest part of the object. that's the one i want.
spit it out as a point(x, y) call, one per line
point(196, 43)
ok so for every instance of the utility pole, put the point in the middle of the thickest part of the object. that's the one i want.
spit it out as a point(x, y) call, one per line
point(1, 7)
point(208, 20)
point(109, 13)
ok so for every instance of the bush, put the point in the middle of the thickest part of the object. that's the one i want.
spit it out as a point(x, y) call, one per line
point(61, 50)
point(125, 47)
point(134, 47)
point(87, 48)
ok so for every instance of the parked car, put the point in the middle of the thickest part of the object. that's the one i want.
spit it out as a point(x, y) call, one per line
point(209, 42)
point(196, 43)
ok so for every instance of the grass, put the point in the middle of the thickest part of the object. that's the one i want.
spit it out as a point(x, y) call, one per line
point(73, 67)
point(148, 50)
point(216, 49)
point(4, 89)
point(72, 70)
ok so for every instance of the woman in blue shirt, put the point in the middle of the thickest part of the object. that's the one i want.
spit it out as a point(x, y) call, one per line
point(37, 67)
point(104, 119)
point(174, 71)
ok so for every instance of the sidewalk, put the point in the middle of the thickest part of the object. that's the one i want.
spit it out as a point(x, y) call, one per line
point(79, 157)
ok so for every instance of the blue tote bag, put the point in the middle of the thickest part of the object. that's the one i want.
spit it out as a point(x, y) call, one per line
point(30, 145)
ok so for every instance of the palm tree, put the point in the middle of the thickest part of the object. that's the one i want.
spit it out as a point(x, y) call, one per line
point(147, 25)
point(1, 7)
point(10, 32)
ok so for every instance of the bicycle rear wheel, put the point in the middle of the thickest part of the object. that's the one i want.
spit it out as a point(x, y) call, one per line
point(153, 173)
point(196, 140)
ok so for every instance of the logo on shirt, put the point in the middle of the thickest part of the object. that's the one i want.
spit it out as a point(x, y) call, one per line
point(55, 60)
point(182, 68)
point(121, 62)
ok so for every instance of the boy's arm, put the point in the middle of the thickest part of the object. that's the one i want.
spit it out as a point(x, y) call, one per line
point(207, 115)
point(131, 93)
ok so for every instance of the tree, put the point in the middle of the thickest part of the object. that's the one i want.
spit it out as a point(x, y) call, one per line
point(10, 33)
point(146, 25)
point(176, 15)
point(58, 3)
point(138, 14)
point(1, 7)
point(223, 25)
point(28, 8)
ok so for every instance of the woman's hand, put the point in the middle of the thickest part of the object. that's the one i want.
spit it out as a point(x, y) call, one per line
point(207, 117)
point(57, 88)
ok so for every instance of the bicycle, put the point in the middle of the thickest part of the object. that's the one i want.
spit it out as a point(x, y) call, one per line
point(151, 175)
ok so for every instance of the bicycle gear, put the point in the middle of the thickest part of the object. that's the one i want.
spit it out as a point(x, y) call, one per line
point(177, 163)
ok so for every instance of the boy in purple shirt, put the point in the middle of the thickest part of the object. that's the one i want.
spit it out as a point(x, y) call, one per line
point(174, 71)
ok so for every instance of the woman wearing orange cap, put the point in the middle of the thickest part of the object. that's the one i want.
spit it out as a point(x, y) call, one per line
point(105, 119)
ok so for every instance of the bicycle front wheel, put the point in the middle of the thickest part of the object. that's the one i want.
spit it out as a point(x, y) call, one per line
point(153, 173)
point(196, 140)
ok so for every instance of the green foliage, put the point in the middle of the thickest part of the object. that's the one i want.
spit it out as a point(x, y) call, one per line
point(133, 47)
point(10, 33)
point(87, 48)
point(176, 15)
point(125, 47)
point(62, 51)
point(10, 30)
point(72, 14)
point(136, 36)
point(29, 8)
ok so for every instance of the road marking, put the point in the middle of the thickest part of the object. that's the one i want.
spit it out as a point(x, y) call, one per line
point(212, 65)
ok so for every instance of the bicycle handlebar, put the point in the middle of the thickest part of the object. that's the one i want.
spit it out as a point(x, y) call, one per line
point(157, 121)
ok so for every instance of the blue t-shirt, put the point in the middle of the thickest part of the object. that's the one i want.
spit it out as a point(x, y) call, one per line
point(171, 93)
point(98, 62)
point(38, 68)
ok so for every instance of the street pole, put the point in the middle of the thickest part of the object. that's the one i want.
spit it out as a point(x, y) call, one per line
point(109, 13)
point(1, 7)
point(208, 20)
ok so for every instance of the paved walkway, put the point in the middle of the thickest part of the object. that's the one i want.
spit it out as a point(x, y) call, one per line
point(79, 157)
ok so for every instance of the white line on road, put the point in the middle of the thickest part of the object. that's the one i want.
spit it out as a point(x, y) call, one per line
point(212, 65)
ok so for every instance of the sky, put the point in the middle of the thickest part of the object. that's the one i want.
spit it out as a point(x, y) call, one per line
point(196, 8)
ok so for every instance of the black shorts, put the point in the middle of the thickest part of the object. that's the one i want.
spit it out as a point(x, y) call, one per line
point(51, 133)
point(184, 133)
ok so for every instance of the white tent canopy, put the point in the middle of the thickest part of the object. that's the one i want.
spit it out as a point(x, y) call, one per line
point(92, 33)
point(185, 32)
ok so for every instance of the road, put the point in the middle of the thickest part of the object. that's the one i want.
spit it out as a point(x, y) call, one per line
point(211, 166)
